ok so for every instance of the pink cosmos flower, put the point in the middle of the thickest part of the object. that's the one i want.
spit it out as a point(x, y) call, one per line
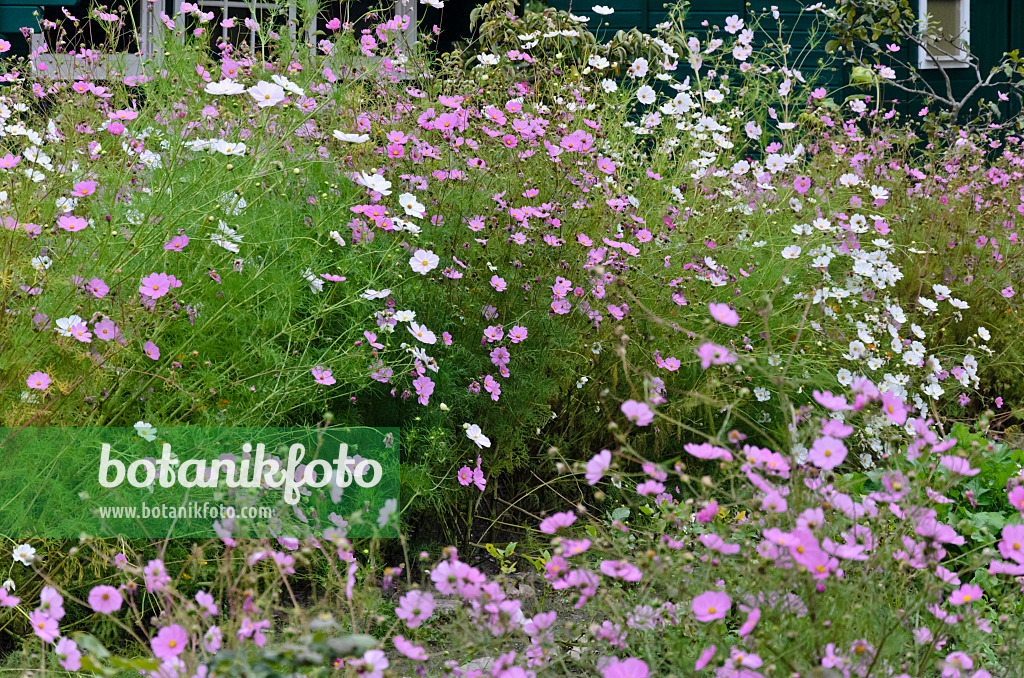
point(710, 354)
point(1008, 291)
point(894, 408)
point(723, 314)
point(551, 524)
point(498, 284)
point(80, 331)
point(626, 668)
point(708, 513)
point(708, 451)
point(711, 605)
point(371, 665)
point(84, 188)
point(323, 376)
point(424, 386)
point(465, 475)
point(637, 412)
point(156, 285)
point(177, 243)
point(43, 625)
point(956, 662)
point(517, 334)
point(98, 288)
point(1012, 544)
point(831, 402)
point(51, 603)
point(68, 654)
point(716, 543)
point(965, 594)
point(155, 575)
point(105, 599)
point(414, 652)
point(151, 350)
point(478, 476)
point(598, 466)
point(415, 608)
point(254, 630)
point(752, 618)
point(705, 658)
point(71, 224)
point(38, 380)
point(827, 452)
point(958, 465)
point(169, 642)
point(1016, 497)
point(7, 600)
point(207, 603)
point(106, 330)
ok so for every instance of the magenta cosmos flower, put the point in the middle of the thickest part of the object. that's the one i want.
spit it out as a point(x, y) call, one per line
point(711, 605)
point(965, 594)
point(711, 354)
point(723, 314)
point(38, 380)
point(156, 285)
point(551, 524)
point(170, 642)
point(323, 376)
point(827, 452)
point(71, 224)
point(637, 412)
point(414, 652)
point(151, 350)
point(415, 608)
point(43, 625)
point(105, 599)
point(626, 668)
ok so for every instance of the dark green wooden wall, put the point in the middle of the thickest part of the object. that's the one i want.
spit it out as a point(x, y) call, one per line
point(997, 26)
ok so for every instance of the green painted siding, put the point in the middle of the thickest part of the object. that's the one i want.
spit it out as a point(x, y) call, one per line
point(997, 26)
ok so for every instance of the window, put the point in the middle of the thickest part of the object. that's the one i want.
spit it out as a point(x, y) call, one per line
point(951, 19)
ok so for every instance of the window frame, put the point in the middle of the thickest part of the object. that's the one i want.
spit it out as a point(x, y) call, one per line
point(927, 62)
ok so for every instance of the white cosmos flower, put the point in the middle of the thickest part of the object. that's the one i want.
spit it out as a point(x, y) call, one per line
point(25, 554)
point(145, 431)
point(474, 433)
point(375, 182)
point(229, 147)
point(412, 206)
point(791, 252)
point(645, 94)
point(422, 333)
point(316, 283)
point(424, 261)
point(227, 237)
point(288, 85)
point(437, 4)
point(351, 138)
point(488, 59)
point(227, 86)
point(928, 304)
point(602, 10)
point(405, 316)
point(64, 325)
point(984, 333)
point(375, 294)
